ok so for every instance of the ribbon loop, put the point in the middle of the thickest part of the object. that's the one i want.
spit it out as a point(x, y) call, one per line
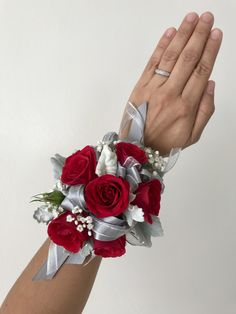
point(75, 197)
point(109, 228)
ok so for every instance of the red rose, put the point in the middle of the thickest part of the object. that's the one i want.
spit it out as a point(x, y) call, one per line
point(64, 233)
point(107, 195)
point(113, 248)
point(79, 168)
point(148, 197)
point(124, 150)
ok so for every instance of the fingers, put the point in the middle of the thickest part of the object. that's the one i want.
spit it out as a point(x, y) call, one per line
point(205, 111)
point(191, 54)
point(198, 80)
point(171, 55)
point(157, 54)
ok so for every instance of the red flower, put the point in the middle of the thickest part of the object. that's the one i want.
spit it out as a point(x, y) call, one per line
point(124, 150)
point(64, 233)
point(79, 168)
point(148, 197)
point(113, 248)
point(107, 195)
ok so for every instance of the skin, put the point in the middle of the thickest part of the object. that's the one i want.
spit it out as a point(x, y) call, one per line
point(179, 108)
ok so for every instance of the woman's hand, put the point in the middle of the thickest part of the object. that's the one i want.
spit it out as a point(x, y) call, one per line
point(179, 106)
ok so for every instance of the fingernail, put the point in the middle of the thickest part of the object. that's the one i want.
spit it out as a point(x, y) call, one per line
point(215, 34)
point(207, 17)
point(211, 87)
point(169, 32)
point(191, 17)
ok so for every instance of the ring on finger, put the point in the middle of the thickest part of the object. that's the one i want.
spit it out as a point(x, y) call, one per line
point(162, 72)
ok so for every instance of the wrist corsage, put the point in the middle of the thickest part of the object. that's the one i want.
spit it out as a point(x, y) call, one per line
point(103, 197)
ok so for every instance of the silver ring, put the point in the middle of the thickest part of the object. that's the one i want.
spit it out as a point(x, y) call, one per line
point(162, 72)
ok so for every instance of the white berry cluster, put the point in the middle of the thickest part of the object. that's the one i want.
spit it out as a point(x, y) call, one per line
point(81, 222)
point(158, 163)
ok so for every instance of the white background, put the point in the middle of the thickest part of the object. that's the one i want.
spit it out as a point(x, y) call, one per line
point(66, 71)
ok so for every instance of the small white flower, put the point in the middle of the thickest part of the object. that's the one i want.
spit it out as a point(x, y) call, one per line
point(69, 218)
point(76, 210)
point(90, 226)
point(148, 150)
point(60, 209)
point(89, 219)
point(80, 228)
point(55, 213)
point(63, 188)
point(151, 160)
point(82, 219)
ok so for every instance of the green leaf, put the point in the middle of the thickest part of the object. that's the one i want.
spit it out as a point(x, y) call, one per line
point(55, 197)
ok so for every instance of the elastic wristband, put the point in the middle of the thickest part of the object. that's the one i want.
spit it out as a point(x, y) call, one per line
point(103, 197)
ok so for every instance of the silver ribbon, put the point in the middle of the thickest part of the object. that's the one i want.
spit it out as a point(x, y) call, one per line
point(130, 171)
point(136, 133)
point(75, 197)
point(138, 116)
point(57, 256)
point(109, 228)
point(141, 233)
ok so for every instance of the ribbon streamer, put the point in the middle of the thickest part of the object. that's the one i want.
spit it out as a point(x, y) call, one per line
point(57, 256)
point(138, 116)
point(136, 133)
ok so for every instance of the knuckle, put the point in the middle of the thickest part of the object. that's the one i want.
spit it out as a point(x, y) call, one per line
point(170, 55)
point(200, 31)
point(168, 92)
point(208, 111)
point(184, 111)
point(153, 61)
point(211, 110)
point(163, 98)
point(196, 139)
point(183, 32)
point(190, 55)
point(187, 99)
point(203, 69)
point(161, 46)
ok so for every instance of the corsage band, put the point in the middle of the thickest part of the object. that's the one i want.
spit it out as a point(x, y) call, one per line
point(103, 197)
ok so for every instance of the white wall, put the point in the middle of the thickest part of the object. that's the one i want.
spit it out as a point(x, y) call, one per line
point(65, 68)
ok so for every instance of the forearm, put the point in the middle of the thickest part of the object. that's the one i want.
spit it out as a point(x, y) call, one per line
point(67, 292)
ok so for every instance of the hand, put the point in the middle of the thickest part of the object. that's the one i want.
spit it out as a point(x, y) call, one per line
point(179, 106)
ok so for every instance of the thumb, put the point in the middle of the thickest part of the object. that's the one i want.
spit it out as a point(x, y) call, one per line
point(205, 111)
